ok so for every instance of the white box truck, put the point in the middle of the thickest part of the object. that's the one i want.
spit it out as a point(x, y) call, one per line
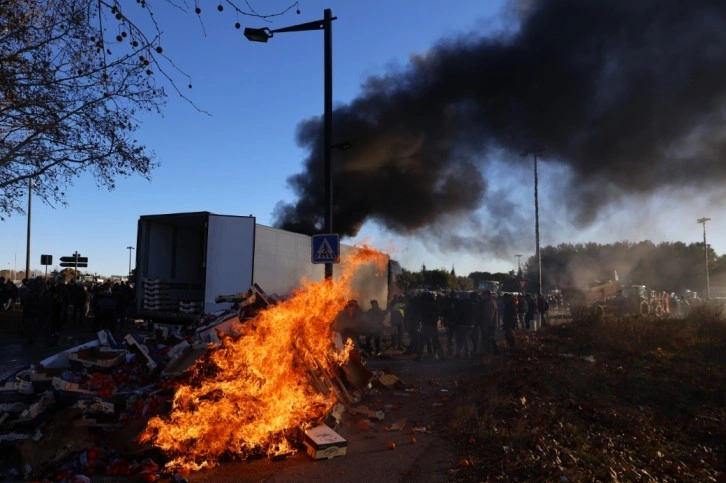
point(185, 260)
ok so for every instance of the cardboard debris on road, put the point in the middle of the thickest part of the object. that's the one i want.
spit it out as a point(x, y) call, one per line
point(398, 425)
point(363, 410)
point(390, 381)
point(61, 436)
point(321, 442)
point(137, 346)
point(13, 391)
point(99, 358)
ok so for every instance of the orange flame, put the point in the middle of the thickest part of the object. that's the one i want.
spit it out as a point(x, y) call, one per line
point(252, 394)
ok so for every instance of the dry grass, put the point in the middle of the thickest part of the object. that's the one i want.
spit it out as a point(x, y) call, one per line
point(599, 400)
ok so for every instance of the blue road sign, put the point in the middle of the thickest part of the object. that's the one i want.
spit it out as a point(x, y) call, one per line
point(326, 248)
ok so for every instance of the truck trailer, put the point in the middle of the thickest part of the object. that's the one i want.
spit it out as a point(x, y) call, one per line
point(185, 260)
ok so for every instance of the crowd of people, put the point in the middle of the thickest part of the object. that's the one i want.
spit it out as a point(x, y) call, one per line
point(50, 306)
point(470, 321)
point(412, 324)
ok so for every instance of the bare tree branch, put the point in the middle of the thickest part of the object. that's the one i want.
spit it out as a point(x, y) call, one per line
point(74, 75)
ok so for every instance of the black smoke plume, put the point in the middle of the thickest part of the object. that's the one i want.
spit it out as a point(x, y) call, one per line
point(629, 95)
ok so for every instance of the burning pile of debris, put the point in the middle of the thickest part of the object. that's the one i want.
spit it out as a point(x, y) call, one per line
point(257, 379)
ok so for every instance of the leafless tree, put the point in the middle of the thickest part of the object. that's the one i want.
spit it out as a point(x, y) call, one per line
point(74, 76)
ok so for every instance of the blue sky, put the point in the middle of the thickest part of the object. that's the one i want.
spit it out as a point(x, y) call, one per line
point(236, 160)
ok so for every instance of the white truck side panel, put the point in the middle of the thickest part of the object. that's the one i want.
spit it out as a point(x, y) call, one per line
point(282, 259)
point(230, 244)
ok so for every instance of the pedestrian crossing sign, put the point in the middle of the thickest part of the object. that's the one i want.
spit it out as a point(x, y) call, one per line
point(326, 248)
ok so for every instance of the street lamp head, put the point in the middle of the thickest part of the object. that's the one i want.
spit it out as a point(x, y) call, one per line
point(258, 35)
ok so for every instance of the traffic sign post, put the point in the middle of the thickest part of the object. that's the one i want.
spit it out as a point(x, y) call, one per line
point(325, 248)
point(75, 261)
point(45, 260)
point(522, 284)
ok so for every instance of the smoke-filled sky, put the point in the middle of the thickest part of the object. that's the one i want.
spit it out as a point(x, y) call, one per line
point(625, 100)
point(438, 100)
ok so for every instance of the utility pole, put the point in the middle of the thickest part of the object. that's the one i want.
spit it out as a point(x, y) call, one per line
point(705, 254)
point(536, 151)
point(27, 243)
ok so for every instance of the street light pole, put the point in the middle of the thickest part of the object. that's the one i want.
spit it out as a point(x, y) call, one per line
point(536, 227)
point(129, 248)
point(326, 24)
point(328, 127)
point(519, 265)
point(705, 254)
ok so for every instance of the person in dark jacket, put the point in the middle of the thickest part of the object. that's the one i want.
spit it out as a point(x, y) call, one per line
point(53, 305)
point(349, 322)
point(449, 318)
point(77, 294)
point(412, 323)
point(531, 310)
point(542, 306)
point(105, 315)
point(465, 326)
point(374, 327)
point(509, 319)
point(430, 326)
point(486, 321)
point(398, 309)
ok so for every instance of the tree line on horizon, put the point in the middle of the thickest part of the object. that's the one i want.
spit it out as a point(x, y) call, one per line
point(667, 266)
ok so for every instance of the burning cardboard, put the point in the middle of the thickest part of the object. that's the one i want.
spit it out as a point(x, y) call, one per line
point(228, 324)
point(182, 362)
point(253, 391)
point(250, 302)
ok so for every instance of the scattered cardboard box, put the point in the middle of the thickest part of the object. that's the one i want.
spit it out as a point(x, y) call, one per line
point(98, 357)
point(71, 389)
point(321, 442)
point(15, 391)
point(94, 406)
point(137, 346)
